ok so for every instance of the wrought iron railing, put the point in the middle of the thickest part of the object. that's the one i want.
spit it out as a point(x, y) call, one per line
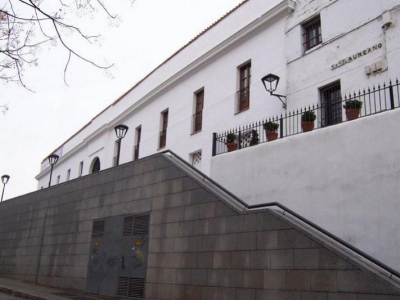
point(374, 100)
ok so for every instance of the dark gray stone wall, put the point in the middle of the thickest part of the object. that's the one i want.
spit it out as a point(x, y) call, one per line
point(199, 247)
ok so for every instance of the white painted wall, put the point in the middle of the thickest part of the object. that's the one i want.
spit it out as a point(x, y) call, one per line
point(217, 75)
point(345, 178)
point(348, 27)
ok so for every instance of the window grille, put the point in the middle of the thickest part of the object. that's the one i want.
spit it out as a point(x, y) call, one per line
point(312, 33)
point(196, 158)
point(331, 105)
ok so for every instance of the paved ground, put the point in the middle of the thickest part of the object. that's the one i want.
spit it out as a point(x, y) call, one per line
point(7, 297)
point(24, 289)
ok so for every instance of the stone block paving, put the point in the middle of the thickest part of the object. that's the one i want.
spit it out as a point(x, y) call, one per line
point(11, 289)
point(8, 297)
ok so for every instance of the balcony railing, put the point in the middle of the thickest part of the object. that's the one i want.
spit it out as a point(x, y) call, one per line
point(376, 100)
point(163, 138)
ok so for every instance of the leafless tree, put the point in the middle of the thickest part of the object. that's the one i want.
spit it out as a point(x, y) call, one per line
point(26, 25)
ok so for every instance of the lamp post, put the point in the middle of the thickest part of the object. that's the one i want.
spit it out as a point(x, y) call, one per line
point(53, 158)
point(271, 82)
point(120, 131)
point(4, 179)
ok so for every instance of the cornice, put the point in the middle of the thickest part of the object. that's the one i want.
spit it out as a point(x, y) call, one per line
point(283, 6)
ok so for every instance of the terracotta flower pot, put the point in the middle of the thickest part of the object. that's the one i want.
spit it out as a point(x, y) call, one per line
point(307, 126)
point(232, 146)
point(352, 113)
point(271, 136)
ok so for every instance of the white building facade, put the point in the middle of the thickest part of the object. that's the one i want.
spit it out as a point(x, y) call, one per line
point(319, 49)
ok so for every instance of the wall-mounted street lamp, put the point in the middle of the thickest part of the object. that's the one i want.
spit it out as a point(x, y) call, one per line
point(271, 82)
point(53, 158)
point(4, 179)
point(120, 131)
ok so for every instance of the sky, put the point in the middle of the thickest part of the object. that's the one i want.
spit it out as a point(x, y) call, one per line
point(144, 34)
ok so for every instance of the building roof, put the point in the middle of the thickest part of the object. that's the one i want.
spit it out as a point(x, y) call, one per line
point(149, 74)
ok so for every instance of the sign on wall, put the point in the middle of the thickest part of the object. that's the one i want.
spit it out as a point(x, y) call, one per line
point(357, 55)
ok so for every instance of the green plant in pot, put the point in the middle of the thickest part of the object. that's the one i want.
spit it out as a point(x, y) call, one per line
point(254, 138)
point(353, 109)
point(307, 120)
point(231, 142)
point(270, 131)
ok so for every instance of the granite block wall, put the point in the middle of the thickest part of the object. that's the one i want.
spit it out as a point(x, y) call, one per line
point(199, 247)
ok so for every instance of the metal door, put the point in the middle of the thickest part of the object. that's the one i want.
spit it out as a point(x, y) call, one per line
point(118, 256)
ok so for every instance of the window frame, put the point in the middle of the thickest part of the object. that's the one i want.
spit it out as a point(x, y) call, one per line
point(80, 169)
point(162, 141)
point(198, 111)
point(244, 83)
point(313, 25)
point(331, 113)
point(136, 147)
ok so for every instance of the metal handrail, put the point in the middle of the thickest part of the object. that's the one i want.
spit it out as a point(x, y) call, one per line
point(285, 209)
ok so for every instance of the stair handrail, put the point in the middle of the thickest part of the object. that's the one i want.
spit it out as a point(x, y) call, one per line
point(286, 209)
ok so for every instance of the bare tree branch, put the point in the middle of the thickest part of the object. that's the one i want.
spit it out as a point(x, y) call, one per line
point(26, 25)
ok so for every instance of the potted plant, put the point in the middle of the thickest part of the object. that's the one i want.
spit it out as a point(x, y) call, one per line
point(254, 138)
point(270, 130)
point(353, 109)
point(307, 120)
point(230, 142)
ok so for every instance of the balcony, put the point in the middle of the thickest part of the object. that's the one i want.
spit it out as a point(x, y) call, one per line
point(318, 116)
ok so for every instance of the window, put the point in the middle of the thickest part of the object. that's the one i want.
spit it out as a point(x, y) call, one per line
point(58, 179)
point(312, 33)
point(80, 169)
point(198, 114)
point(95, 167)
point(68, 174)
point(137, 146)
point(243, 95)
point(196, 159)
point(331, 103)
point(116, 148)
point(163, 132)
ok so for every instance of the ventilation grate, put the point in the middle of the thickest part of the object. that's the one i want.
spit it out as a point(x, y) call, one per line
point(136, 288)
point(141, 225)
point(123, 286)
point(131, 287)
point(136, 225)
point(98, 229)
point(128, 226)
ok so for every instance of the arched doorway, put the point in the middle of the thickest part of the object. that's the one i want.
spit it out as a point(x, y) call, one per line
point(95, 166)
